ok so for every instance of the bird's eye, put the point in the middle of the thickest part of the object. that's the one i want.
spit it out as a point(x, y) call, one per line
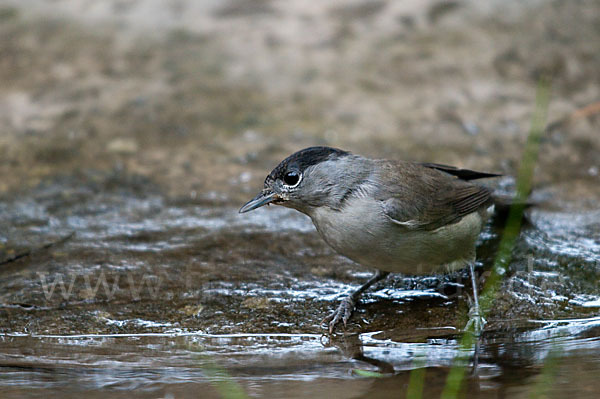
point(291, 178)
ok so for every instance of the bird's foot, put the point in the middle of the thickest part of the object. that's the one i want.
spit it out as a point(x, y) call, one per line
point(476, 321)
point(342, 313)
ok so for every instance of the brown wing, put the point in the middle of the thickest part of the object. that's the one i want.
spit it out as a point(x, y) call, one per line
point(420, 197)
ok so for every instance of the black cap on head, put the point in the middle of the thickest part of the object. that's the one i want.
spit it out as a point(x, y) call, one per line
point(303, 159)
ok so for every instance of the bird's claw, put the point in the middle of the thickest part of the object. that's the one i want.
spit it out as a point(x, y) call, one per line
point(342, 313)
point(476, 321)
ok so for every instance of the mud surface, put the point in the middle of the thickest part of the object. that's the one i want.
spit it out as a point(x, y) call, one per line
point(132, 131)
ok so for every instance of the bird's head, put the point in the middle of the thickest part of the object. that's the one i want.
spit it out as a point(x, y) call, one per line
point(304, 180)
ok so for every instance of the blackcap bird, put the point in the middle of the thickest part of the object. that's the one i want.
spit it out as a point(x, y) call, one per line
point(392, 216)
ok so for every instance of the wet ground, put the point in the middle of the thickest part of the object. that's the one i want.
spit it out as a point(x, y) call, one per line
point(132, 132)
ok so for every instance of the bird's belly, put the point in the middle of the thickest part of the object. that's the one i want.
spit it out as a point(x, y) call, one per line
point(388, 247)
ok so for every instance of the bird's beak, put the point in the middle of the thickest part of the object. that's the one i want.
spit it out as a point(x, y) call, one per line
point(264, 198)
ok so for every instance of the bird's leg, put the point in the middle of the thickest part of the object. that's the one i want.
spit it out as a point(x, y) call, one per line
point(475, 317)
point(344, 311)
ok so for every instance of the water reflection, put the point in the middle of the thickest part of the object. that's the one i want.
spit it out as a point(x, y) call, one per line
point(266, 363)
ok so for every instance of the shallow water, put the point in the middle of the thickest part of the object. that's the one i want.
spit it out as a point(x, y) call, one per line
point(298, 365)
point(167, 298)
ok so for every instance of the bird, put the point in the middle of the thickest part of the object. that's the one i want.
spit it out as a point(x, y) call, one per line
point(394, 216)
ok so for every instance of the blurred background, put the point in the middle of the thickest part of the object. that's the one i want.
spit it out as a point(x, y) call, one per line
point(132, 130)
point(208, 96)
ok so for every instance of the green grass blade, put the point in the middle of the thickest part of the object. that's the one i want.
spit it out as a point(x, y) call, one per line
point(416, 381)
point(511, 232)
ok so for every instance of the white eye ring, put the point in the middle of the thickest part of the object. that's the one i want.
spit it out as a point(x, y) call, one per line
point(291, 175)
